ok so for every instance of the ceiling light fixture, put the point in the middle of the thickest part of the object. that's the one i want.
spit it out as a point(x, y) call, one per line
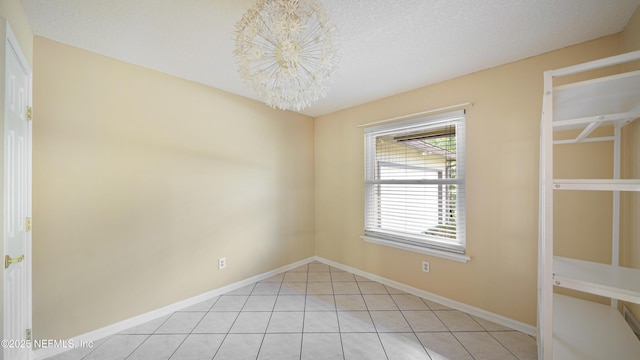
point(287, 51)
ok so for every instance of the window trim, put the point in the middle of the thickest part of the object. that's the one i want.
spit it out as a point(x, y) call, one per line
point(418, 249)
point(454, 251)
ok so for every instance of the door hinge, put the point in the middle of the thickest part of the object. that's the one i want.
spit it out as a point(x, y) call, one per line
point(28, 335)
point(29, 113)
point(27, 224)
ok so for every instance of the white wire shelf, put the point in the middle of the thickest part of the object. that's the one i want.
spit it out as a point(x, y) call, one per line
point(605, 280)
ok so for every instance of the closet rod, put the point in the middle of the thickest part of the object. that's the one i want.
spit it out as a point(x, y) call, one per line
point(463, 105)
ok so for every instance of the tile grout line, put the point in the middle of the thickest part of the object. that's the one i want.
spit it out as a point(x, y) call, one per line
point(191, 332)
point(408, 323)
point(453, 334)
point(92, 350)
point(304, 311)
point(371, 317)
point(137, 347)
point(337, 317)
point(500, 342)
point(264, 336)
point(489, 333)
point(461, 344)
point(231, 326)
point(224, 337)
point(377, 332)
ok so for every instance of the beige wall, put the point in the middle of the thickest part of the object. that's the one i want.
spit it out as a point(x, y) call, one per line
point(502, 184)
point(142, 181)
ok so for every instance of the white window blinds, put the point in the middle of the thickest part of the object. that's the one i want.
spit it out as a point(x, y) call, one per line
point(414, 182)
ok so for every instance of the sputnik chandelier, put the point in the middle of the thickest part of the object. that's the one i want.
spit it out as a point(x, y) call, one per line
point(287, 52)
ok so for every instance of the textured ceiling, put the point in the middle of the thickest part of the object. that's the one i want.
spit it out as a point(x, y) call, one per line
point(388, 46)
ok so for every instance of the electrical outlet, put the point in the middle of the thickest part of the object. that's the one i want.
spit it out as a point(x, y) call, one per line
point(222, 263)
point(425, 266)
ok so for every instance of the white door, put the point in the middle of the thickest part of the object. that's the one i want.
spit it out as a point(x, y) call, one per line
point(17, 199)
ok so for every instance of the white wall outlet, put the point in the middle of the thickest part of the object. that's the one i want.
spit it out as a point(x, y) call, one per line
point(222, 263)
point(425, 266)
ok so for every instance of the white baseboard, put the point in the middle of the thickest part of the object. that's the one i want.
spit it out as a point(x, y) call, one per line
point(472, 310)
point(158, 313)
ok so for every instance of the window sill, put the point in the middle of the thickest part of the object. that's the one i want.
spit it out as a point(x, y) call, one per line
point(418, 249)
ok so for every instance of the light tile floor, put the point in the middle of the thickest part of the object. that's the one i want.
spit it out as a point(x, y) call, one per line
point(314, 312)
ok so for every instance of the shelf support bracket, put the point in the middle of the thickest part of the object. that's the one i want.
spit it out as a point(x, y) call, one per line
point(588, 130)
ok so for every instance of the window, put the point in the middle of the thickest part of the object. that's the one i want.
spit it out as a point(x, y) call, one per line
point(415, 183)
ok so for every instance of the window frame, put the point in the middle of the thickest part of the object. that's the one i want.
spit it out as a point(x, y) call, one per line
point(454, 250)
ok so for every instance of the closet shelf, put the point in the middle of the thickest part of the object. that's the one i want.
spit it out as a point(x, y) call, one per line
point(610, 98)
point(597, 184)
point(584, 330)
point(605, 280)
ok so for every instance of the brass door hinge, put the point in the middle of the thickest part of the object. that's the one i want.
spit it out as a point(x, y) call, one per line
point(27, 224)
point(29, 113)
